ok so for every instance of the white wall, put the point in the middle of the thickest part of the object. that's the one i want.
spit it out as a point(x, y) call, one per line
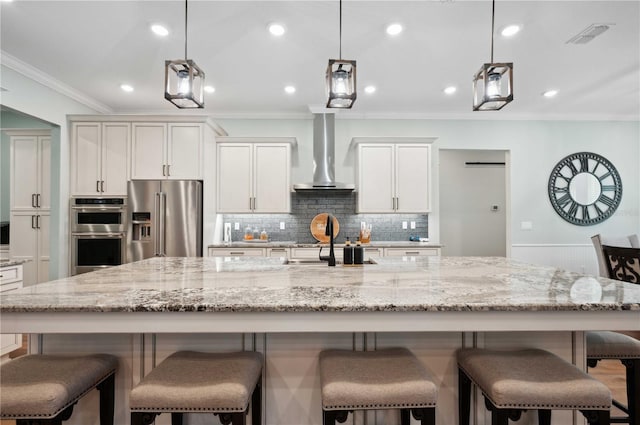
point(26, 95)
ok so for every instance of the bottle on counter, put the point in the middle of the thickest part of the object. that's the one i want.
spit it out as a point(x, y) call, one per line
point(358, 253)
point(256, 233)
point(347, 257)
point(263, 235)
point(248, 233)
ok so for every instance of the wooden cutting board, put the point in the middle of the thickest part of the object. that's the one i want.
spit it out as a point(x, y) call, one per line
point(319, 224)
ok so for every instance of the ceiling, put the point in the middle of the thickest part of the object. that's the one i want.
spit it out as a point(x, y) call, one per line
point(95, 46)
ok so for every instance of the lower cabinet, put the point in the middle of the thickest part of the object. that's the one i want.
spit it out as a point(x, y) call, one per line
point(10, 280)
point(313, 253)
point(236, 252)
point(411, 252)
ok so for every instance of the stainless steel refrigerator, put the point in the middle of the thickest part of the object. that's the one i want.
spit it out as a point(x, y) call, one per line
point(165, 219)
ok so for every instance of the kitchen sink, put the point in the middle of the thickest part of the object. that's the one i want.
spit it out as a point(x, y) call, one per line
point(315, 261)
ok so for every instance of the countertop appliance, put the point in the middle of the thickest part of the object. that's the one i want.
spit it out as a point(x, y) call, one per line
point(165, 219)
point(98, 233)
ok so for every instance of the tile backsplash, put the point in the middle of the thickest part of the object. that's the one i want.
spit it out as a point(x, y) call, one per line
point(306, 205)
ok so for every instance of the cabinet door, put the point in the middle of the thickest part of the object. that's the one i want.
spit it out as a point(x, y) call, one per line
point(44, 177)
point(184, 151)
point(24, 172)
point(148, 151)
point(115, 158)
point(375, 178)
point(24, 244)
point(413, 163)
point(43, 224)
point(271, 181)
point(85, 159)
point(234, 178)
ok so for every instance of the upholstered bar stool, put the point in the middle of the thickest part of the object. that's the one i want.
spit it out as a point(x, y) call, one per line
point(42, 389)
point(531, 379)
point(194, 382)
point(390, 378)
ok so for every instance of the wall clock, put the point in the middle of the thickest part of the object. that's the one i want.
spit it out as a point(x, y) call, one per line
point(585, 188)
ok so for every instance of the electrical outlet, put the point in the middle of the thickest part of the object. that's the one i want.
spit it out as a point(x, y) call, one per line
point(236, 226)
point(282, 225)
point(413, 225)
point(404, 225)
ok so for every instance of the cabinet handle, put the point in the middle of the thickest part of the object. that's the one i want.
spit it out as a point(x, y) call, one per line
point(412, 253)
point(37, 222)
point(250, 203)
point(38, 200)
point(97, 185)
point(33, 200)
point(236, 253)
point(33, 217)
point(169, 170)
point(397, 204)
point(101, 185)
point(164, 168)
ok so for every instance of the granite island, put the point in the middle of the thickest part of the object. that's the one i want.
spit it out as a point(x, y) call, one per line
point(144, 311)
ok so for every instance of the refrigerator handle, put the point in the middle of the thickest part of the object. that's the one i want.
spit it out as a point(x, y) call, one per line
point(162, 225)
point(156, 214)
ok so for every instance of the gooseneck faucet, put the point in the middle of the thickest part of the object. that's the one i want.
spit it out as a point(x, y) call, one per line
point(328, 231)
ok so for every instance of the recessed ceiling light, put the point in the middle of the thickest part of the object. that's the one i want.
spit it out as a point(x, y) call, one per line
point(394, 29)
point(209, 89)
point(450, 90)
point(550, 93)
point(159, 30)
point(277, 29)
point(370, 89)
point(510, 30)
point(126, 87)
point(290, 89)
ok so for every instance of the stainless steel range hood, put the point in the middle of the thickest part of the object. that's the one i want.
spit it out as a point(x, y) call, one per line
point(324, 157)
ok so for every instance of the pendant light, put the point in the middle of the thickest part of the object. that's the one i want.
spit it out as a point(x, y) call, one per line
point(183, 79)
point(493, 83)
point(341, 79)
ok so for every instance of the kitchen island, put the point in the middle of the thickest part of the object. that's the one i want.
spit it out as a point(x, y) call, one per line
point(432, 305)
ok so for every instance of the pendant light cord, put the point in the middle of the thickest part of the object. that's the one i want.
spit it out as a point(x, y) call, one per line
point(340, 56)
point(493, 14)
point(186, 9)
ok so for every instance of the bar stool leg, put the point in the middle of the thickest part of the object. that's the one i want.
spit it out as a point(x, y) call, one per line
point(464, 398)
point(405, 416)
point(633, 390)
point(256, 404)
point(544, 417)
point(426, 415)
point(499, 417)
point(176, 418)
point(107, 395)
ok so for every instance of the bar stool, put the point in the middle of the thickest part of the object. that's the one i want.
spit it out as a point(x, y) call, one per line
point(530, 379)
point(195, 382)
point(390, 378)
point(43, 389)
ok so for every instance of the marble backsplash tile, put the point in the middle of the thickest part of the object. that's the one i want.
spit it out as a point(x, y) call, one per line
point(305, 206)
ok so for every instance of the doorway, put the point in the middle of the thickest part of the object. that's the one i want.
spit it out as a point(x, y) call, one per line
point(473, 202)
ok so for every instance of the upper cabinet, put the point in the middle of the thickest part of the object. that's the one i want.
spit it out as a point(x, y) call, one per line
point(254, 175)
point(31, 171)
point(167, 151)
point(100, 158)
point(393, 175)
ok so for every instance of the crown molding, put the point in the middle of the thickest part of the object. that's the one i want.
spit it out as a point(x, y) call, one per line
point(47, 80)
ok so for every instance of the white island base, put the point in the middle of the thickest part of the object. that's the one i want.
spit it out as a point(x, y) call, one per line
point(291, 392)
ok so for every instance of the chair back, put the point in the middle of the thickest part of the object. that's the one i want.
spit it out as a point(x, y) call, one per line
point(623, 263)
point(598, 241)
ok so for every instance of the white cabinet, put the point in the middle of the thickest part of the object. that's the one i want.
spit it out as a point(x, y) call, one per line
point(236, 252)
point(100, 158)
point(167, 151)
point(394, 177)
point(30, 171)
point(253, 176)
point(10, 280)
point(29, 235)
point(278, 252)
point(411, 252)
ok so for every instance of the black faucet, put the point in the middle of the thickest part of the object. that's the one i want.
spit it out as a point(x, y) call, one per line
point(328, 231)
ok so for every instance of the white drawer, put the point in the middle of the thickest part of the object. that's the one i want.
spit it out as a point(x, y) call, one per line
point(10, 274)
point(411, 252)
point(370, 252)
point(278, 252)
point(314, 252)
point(236, 252)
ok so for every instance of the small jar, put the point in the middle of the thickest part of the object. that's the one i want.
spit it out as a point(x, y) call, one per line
point(347, 256)
point(248, 233)
point(256, 233)
point(263, 235)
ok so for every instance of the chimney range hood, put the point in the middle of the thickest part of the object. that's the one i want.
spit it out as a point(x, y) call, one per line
point(324, 158)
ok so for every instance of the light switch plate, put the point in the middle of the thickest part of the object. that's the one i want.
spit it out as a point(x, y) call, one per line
point(404, 225)
point(236, 226)
point(282, 225)
point(413, 224)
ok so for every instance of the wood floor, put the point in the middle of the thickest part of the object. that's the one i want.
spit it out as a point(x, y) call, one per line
point(610, 372)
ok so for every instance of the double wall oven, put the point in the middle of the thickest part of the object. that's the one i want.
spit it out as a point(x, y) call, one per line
point(98, 233)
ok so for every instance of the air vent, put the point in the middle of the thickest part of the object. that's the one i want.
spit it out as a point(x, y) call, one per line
point(589, 33)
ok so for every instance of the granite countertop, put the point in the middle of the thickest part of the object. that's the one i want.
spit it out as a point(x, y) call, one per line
point(293, 244)
point(12, 262)
point(218, 284)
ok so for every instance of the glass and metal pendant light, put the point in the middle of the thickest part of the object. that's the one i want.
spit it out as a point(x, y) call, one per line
point(493, 83)
point(183, 79)
point(341, 79)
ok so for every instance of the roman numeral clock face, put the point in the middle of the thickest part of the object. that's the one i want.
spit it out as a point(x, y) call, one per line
point(585, 188)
